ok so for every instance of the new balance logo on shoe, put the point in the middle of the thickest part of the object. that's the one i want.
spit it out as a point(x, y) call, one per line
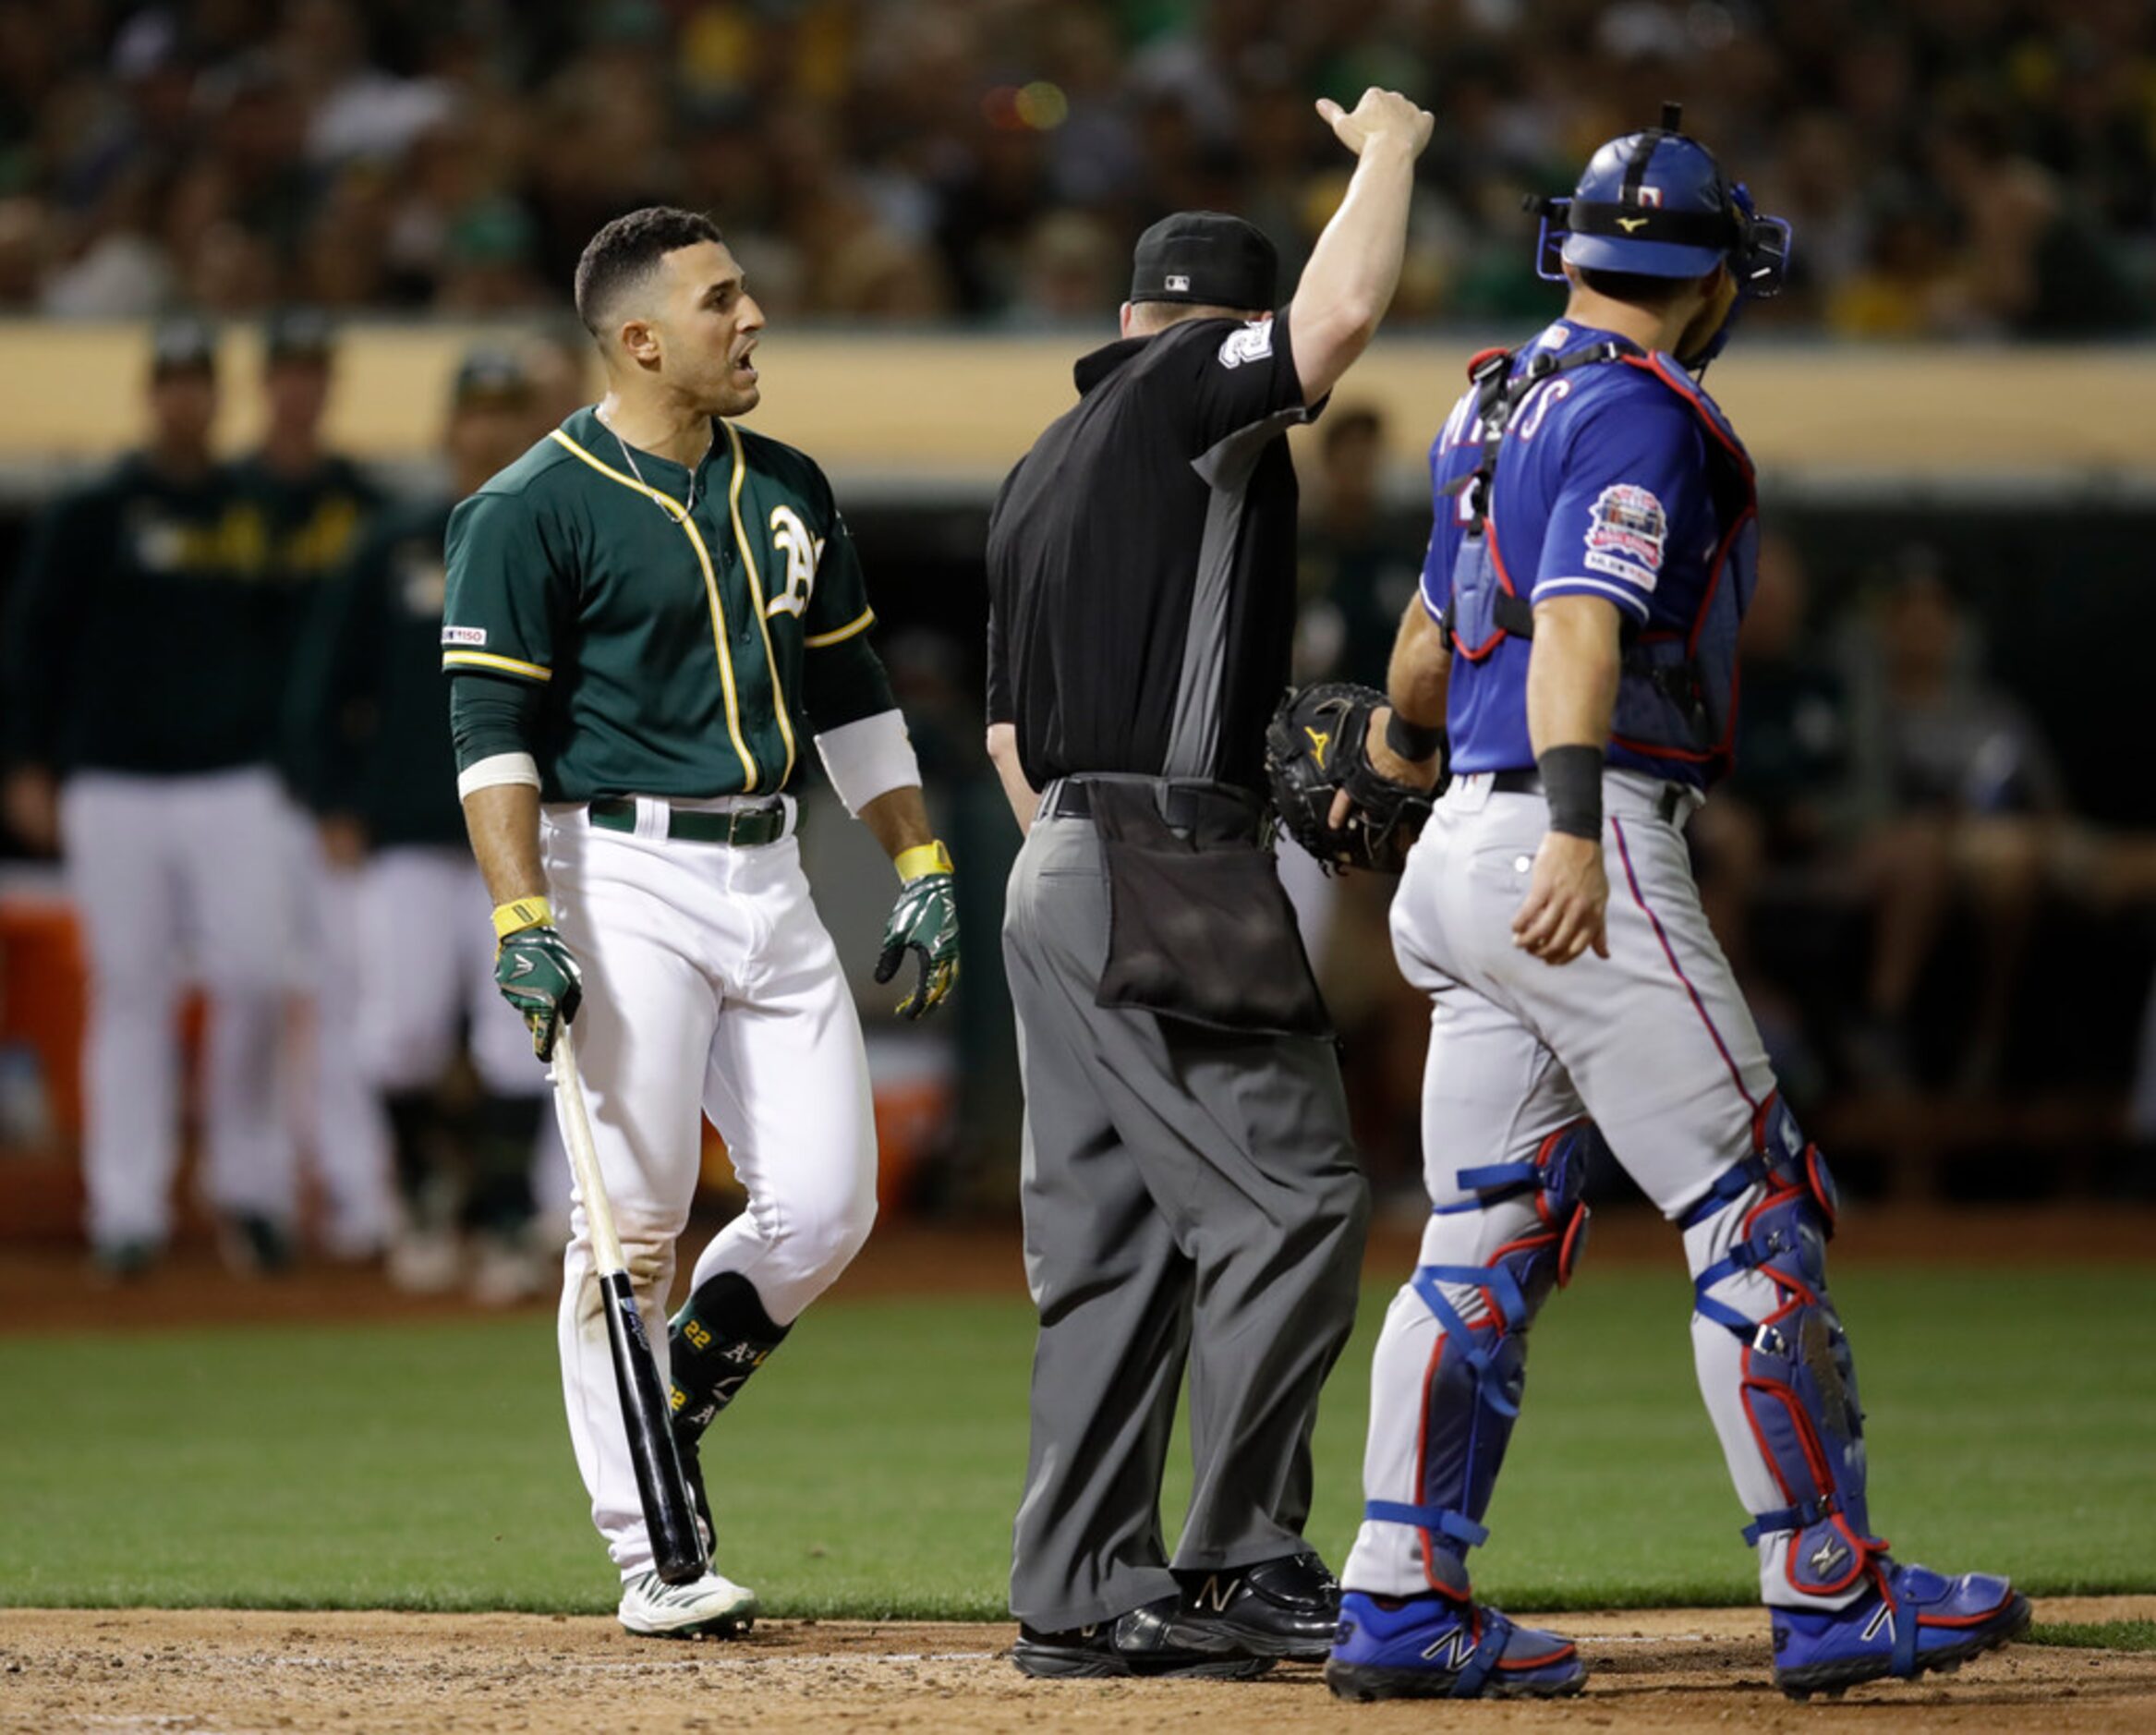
point(1880, 1617)
point(1452, 1651)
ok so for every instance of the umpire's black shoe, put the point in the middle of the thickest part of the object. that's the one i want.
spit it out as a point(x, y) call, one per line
point(1139, 1643)
point(1287, 1608)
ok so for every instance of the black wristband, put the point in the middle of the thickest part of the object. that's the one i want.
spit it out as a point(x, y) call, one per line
point(1571, 779)
point(1412, 741)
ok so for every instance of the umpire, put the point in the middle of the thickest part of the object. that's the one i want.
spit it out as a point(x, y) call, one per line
point(1190, 1190)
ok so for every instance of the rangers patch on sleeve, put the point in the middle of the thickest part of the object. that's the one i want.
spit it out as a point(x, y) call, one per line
point(1252, 342)
point(1626, 530)
point(464, 635)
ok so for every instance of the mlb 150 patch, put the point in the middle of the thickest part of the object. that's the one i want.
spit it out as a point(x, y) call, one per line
point(1626, 531)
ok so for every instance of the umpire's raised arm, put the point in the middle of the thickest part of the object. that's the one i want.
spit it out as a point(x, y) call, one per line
point(1354, 268)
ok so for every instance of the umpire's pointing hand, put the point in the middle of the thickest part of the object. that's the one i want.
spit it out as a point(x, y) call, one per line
point(1380, 114)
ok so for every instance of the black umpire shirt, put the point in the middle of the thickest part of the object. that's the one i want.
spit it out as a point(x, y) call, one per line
point(1141, 560)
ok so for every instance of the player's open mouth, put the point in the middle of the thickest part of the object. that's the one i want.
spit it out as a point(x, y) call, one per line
point(743, 367)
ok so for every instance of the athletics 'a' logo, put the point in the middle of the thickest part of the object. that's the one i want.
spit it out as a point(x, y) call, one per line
point(804, 554)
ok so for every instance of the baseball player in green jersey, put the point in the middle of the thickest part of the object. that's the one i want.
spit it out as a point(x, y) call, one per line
point(650, 615)
point(141, 723)
point(370, 751)
point(303, 507)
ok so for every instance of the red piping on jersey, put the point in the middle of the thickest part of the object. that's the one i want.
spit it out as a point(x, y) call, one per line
point(1692, 394)
point(1699, 1005)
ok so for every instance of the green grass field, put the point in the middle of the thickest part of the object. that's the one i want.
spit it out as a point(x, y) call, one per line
point(871, 1470)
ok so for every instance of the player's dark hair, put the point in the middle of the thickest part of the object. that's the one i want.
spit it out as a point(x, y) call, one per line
point(1640, 290)
point(628, 250)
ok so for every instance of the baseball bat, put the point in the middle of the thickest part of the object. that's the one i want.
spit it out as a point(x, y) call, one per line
point(677, 1543)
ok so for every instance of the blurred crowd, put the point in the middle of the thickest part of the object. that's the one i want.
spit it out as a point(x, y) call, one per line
point(1953, 167)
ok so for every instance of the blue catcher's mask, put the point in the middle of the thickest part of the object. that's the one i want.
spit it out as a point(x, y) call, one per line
point(1655, 204)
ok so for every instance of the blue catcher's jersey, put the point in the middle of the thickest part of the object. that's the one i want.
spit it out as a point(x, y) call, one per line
point(1615, 480)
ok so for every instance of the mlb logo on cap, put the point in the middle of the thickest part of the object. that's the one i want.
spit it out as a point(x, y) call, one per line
point(1178, 282)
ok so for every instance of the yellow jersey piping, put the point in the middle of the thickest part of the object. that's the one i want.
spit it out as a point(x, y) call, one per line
point(838, 634)
point(485, 660)
point(675, 512)
point(756, 590)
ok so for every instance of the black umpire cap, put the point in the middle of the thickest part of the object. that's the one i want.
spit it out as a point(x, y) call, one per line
point(182, 346)
point(1205, 257)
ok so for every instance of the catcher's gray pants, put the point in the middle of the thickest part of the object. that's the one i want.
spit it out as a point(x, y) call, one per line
point(1187, 1197)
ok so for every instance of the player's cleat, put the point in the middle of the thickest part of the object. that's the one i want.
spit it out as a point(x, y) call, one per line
point(506, 1271)
point(712, 1607)
point(253, 1244)
point(1288, 1608)
point(1914, 1620)
point(1141, 1642)
point(125, 1260)
point(426, 1260)
point(1433, 1647)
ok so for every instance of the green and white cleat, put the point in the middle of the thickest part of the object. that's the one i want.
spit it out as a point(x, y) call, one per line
point(712, 1607)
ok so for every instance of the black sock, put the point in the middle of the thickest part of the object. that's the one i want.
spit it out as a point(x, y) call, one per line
point(415, 1129)
point(503, 1130)
point(714, 1345)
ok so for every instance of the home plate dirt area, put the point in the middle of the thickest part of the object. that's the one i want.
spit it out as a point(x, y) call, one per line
point(1667, 1670)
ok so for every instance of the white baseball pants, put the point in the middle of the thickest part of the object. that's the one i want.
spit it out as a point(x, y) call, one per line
point(164, 869)
point(339, 1121)
point(1655, 1042)
point(711, 988)
point(427, 963)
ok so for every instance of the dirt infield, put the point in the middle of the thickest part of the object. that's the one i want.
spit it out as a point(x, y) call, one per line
point(1669, 1671)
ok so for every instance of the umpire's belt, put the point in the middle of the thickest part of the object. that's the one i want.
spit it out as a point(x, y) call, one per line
point(1673, 802)
point(1209, 812)
point(742, 827)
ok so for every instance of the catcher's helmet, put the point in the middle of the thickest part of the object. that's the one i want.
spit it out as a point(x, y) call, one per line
point(1655, 204)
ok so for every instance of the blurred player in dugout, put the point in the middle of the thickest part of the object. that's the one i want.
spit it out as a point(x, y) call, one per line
point(306, 508)
point(373, 758)
point(141, 740)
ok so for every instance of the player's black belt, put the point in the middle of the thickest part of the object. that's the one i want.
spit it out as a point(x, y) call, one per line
point(1216, 809)
point(742, 827)
point(1671, 803)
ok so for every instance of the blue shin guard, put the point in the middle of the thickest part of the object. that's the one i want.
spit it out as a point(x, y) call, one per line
point(1471, 1393)
point(1798, 1384)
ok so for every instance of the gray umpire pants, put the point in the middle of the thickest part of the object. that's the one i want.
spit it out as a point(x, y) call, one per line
point(1189, 1197)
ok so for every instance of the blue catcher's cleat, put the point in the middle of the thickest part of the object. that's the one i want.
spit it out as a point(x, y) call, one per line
point(1915, 1620)
point(1433, 1647)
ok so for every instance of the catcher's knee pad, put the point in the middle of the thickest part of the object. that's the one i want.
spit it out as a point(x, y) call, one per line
point(1799, 1382)
point(1471, 1393)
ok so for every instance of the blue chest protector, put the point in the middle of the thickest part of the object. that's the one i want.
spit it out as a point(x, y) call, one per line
point(1677, 692)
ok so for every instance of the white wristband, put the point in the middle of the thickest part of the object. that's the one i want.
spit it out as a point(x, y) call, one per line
point(869, 757)
point(501, 767)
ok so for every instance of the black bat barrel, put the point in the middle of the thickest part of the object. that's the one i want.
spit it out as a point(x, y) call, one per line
point(677, 1545)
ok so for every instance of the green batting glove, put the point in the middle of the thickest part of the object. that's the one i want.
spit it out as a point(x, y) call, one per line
point(922, 921)
point(536, 971)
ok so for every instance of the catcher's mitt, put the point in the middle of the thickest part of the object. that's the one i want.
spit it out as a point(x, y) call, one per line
point(1315, 746)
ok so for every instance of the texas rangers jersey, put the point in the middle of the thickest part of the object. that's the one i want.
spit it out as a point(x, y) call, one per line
point(1617, 480)
point(684, 651)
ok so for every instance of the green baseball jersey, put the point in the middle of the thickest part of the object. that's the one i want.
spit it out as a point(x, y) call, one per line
point(369, 732)
point(140, 638)
point(683, 649)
